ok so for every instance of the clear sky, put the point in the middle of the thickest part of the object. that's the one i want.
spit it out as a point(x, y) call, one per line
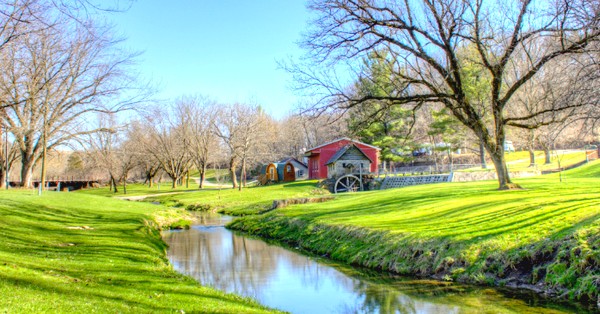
point(225, 49)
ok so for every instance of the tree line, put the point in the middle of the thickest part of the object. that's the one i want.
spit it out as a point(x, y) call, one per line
point(194, 134)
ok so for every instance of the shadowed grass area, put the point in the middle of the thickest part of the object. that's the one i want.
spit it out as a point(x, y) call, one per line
point(545, 237)
point(70, 252)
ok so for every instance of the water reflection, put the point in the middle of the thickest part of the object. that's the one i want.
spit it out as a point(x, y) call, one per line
point(284, 279)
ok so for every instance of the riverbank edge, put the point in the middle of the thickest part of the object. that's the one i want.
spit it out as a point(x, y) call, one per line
point(557, 269)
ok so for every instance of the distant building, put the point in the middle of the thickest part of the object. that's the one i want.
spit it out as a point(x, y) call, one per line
point(343, 152)
point(287, 170)
point(293, 166)
point(349, 159)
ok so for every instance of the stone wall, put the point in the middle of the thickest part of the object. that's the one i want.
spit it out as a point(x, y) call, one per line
point(460, 176)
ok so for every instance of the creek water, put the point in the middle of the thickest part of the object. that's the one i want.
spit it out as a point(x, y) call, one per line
point(288, 280)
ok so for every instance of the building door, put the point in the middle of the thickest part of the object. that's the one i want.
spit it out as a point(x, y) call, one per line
point(289, 173)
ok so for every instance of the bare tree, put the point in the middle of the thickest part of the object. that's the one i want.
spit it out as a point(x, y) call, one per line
point(168, 143)
point(54, 79)
point(242, 129)
point(199, 113)
point(140, 143)
point(321, 128)
point(103, 149)
point(21, 17)
point(424, 39)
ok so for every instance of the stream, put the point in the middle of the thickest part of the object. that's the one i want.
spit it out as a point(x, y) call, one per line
point(291, 281)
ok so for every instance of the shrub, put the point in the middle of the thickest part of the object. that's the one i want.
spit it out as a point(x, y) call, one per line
point(199, 207)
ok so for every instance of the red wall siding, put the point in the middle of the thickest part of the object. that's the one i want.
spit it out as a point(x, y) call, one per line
point(316, 163)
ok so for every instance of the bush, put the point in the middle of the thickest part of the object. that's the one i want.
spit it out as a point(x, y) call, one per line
point(180, 224)
point(199, 207)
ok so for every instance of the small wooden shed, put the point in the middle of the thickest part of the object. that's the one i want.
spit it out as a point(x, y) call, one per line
point(289, 172)
point(268, 173)
point(294, 167)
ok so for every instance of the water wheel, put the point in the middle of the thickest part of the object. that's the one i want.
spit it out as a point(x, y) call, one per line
point(348, 183)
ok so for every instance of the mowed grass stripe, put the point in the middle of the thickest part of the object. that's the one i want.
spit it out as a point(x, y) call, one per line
point(70, 252)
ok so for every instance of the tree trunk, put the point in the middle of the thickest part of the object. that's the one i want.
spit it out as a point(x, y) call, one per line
point(242, 175)
point(232, 167)
point(113, 184)
point(124, 186)
point(150, 179)
point(548, 156)
point(202, 175)
point(2, 179)
point(43, 175)
point(501, 170)
point(531, 157)
point(26, 170)
point(174, 179)
point(482, 155)
point(530, 144)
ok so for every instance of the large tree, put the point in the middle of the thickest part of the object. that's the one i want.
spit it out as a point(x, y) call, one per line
point(424, 39)
point(54, 80)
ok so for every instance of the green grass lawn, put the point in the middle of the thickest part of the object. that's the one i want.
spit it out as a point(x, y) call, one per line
point(137, 189)
point(547, 234)
point(77, 253)
point(248, 201)
point(519, 161)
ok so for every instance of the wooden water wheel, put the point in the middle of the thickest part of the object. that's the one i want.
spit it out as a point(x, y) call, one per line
point(348, 183)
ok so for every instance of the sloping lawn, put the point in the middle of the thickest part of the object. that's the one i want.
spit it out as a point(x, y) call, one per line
point(76, 253)
point(136, 189)
point(546, 235)
point(248, 201)
point(519, 161)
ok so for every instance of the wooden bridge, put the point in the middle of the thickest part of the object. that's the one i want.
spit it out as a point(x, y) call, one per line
point(62, 184)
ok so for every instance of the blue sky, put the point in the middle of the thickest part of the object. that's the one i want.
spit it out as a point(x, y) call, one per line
point(225, 49)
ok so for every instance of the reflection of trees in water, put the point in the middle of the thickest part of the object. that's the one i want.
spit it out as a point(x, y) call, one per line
point(229, 262)
point(219, 258)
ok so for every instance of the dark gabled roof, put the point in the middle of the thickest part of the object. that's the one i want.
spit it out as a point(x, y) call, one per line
point(341, 139)
point(342, 151)
point(263, 168)
point(285, 161)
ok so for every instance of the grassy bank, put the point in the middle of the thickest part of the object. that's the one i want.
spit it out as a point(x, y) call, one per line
point(71, 252)
point(545, 237)
point(248, 201)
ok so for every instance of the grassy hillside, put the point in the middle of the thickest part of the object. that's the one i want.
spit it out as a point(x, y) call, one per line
point(519, 161)
point(76, 253)
point(247, 201)
point(545, 237)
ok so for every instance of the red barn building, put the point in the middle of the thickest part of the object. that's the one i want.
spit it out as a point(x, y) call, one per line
point(320, 156)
